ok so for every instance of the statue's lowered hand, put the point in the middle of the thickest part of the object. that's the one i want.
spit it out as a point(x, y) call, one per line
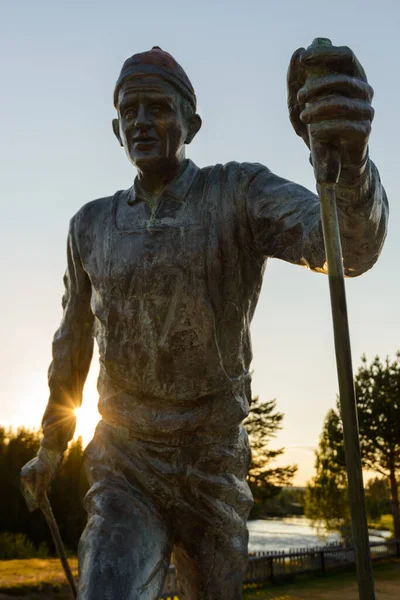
point(37, 475)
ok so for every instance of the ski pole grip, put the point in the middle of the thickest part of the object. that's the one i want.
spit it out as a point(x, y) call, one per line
point(325, 156)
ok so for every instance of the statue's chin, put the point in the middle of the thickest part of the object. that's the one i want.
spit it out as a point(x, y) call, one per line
point(156, 165)
point(147, 163)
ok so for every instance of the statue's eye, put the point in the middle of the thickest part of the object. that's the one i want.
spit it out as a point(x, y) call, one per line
point(129, 113)
point(157, 109)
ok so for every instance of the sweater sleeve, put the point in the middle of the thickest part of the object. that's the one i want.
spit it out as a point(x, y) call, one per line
point(284, 220)
point(72, 351)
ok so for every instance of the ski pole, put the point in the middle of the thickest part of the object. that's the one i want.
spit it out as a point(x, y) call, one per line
point(47, 511)
point(45, 506)
point(326, 163)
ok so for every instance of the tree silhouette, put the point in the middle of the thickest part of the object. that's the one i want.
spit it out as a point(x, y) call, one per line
point(66, 494)
point(262, 424)
point(378, 401)
point(326, 501)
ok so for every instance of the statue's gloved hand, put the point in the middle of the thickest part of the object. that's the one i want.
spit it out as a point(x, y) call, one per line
point(37, 475)
point(328, 90)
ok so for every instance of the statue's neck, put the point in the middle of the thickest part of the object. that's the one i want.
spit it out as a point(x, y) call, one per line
point(153, 181)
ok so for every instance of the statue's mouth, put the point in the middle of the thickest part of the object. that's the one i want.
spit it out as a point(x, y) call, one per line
point(144, 140)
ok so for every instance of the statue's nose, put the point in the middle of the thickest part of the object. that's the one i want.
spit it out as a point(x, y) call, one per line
point(143, 117)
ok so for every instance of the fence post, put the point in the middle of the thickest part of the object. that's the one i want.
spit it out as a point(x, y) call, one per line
point(322, 557)
point(271, 561)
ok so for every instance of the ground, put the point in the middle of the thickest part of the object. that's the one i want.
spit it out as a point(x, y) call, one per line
point(40, 579)
point(334, 587)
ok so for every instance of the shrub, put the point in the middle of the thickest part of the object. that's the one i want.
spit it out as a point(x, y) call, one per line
point(17, 546)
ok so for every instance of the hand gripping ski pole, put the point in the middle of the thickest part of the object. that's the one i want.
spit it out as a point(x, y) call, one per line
point(326, 163)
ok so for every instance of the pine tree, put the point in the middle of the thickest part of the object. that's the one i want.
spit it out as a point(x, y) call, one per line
point(377, 497)
point(326, 502)
point(66, 493)
point(262, 424)
point(378, 401)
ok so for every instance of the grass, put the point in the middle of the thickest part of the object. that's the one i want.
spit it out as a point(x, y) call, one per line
point(340, 586)
point(33, 574)
point(42, 576)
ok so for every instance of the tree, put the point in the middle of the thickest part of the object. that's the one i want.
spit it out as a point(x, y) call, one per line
point(17, 448)
point(262, 425)
point(378, 401)
point(377, 497)
point(326, 502)
point(66, 494)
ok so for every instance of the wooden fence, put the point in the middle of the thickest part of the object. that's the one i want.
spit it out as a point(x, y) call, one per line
point(271, 567)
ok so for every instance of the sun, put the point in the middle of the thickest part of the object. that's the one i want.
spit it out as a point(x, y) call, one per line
point(87, 415)
point(86, 421)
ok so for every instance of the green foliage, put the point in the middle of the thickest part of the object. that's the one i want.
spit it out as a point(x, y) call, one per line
point(265, 481)
point(377, 497)
point(326, 500)
point(17, 448)
point(18, 546)
point(289, 501)
point(385, 523)
point(66, 495)
point(378, 402)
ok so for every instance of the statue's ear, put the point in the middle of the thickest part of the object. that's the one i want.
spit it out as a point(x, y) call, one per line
point(194, 126)
point(115, 126)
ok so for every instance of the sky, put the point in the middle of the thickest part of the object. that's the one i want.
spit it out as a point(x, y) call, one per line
point(60, 61)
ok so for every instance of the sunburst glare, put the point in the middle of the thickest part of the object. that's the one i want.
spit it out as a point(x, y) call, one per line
point(87, 415)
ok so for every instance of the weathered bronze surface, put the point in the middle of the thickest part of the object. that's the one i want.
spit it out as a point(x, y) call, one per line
point(166, 275)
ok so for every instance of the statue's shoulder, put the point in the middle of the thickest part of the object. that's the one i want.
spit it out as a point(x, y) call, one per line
point(251, 169)
point(238, 174)
point(93, 219)
point(233, 167)
point(96, 215)
point(243, 169)
point(94, 210)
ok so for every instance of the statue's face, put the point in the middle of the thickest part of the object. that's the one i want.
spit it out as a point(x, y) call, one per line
point(153, 127)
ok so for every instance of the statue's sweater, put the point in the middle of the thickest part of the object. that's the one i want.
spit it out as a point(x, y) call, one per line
point(169, 288)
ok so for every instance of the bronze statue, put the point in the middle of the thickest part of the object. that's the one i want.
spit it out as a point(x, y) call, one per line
point(166, 275)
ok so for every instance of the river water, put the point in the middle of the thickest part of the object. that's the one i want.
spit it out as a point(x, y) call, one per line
point(291, 533)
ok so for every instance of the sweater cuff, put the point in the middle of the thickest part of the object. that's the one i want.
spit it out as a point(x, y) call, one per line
point(52, 458)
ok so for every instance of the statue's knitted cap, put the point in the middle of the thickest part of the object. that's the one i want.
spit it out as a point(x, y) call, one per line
point(157, 62)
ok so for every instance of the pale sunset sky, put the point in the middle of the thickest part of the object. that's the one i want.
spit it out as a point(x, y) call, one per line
point(60, 60)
